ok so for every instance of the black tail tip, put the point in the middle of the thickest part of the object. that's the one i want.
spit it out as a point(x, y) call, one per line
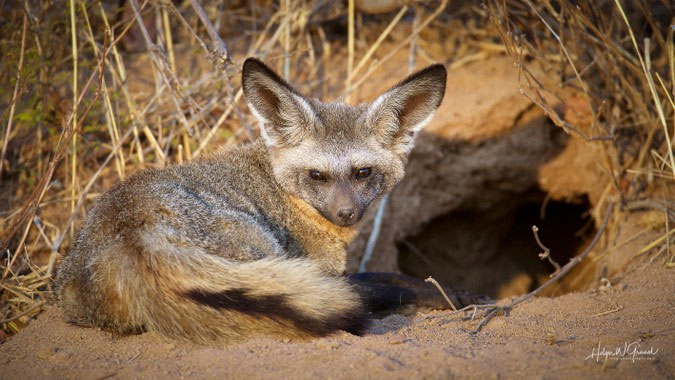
point(356, 322)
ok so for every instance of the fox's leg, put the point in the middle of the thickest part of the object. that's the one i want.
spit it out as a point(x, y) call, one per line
point(388, 293)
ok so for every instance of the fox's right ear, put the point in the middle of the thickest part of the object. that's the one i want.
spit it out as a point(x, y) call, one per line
point(283, 113)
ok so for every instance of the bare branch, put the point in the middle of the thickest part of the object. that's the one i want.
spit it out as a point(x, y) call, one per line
point(160, 60)
point(220, 59)
point(547, 252)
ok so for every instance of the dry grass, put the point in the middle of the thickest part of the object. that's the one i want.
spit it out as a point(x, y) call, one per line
point(94, 98)
point(620, 57)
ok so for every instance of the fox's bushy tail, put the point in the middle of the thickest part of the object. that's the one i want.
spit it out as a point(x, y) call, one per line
point(208, 299)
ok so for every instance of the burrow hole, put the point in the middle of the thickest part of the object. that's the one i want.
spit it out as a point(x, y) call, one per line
point(493, 252)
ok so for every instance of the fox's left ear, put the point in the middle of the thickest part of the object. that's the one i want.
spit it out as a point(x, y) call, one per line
point(396, 116)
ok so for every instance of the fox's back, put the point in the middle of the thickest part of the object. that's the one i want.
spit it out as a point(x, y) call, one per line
point(187, 201)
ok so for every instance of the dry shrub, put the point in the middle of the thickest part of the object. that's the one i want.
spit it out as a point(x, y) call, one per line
point(618, 59)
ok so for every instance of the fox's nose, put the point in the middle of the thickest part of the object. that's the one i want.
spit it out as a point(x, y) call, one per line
point(346, 214)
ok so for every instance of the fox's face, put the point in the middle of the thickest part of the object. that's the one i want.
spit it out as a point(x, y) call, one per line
point(336, 157)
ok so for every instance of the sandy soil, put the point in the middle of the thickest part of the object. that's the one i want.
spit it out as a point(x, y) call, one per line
point(545, 337)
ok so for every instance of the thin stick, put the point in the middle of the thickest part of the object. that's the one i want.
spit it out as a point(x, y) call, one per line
point(372, 239)
point(35, 306)
point(440, 289)
point(608, 312)
point(120, 75)
point(547, 252)
point(169, 38)
point(212, 132)
point(73, 153)
point(567, 55)
point(219, 45)
point(116, 54)
point(474, 307)
point(350, 45)
point(287, 42)
point(656, 242)
point(186, 146)
point(18, 250)
point(153, 142)
point(179, 156)
point(220, 58)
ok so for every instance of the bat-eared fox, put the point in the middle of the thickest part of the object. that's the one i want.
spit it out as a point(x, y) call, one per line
point(252, 240)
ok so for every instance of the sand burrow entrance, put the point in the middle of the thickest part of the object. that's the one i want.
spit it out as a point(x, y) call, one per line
point(494, 252)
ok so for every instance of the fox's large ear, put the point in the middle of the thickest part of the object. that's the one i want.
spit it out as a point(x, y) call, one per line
point(283, 113)
point(396, 116)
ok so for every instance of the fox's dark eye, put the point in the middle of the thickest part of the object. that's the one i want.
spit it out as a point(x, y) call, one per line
point(363, 173)
point(317, 176)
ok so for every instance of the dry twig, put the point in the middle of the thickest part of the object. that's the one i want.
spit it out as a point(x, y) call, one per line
point(440, 289)
point(158, 55)
point(547, 252)
point(220, 59)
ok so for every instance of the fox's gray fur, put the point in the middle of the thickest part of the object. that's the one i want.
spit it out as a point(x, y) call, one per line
point(249, 240)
